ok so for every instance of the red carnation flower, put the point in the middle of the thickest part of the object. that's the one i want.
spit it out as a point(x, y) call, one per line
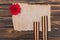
point(15, 9)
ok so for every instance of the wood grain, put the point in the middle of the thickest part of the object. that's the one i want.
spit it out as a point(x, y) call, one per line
point(55, 12)
point(30, 1)
point(5, 16)
point(55, 18)
point(5, 13)
point(6, 25)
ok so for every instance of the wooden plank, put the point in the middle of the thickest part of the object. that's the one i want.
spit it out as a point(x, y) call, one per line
point(12, 1)
point(12, 35)
point(55, 25)
point(5, 3)
point(5, 13)
point(46, 1)
point(5, 31)
point(4, 8)
point(29, 1)
point(55, 4)
point(55, 7)
point(6, 26)
point(55, 0)
point(38, 1)
point(5, 19)
point(5, 16)
point(56, 22)
point(55, 12)
point(6, 22)
point(55, 18)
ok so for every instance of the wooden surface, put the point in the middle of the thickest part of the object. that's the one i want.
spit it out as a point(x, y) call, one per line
point(6, 26)
point(30, 1)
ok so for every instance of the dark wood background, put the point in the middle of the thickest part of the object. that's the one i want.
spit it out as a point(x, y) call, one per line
point(6, 26)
